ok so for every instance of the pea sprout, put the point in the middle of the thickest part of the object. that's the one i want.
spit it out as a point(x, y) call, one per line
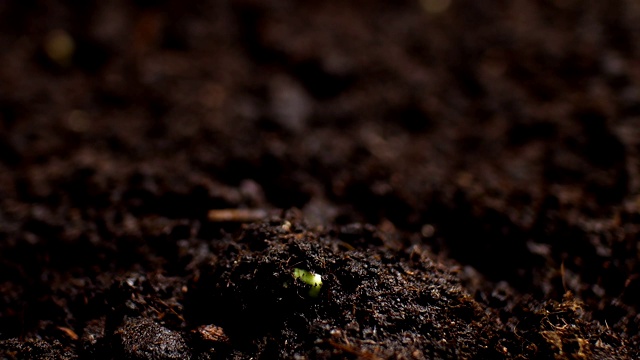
point(312, 279)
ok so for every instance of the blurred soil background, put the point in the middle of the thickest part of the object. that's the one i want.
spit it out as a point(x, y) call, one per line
point(465, 176)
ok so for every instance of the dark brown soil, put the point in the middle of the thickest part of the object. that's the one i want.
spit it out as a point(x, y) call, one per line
point(464, 175)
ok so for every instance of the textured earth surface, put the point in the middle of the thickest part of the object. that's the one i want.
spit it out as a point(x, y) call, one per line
point(464, 176)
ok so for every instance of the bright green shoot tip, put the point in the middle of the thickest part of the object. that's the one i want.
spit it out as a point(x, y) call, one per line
point(309, 278)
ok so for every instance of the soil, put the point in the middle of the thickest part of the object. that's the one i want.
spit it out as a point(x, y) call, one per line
point(463, 175)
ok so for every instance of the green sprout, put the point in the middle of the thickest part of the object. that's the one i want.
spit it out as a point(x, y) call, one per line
point(311, 279)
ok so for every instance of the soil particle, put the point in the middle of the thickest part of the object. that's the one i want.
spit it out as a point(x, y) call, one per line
point(35, 349)
point(140, 338)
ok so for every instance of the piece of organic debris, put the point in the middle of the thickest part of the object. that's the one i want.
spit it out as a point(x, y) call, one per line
point(213, 333)
point(237, 215)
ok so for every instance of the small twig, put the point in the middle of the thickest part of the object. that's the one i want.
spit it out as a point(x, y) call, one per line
point(237, 215)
